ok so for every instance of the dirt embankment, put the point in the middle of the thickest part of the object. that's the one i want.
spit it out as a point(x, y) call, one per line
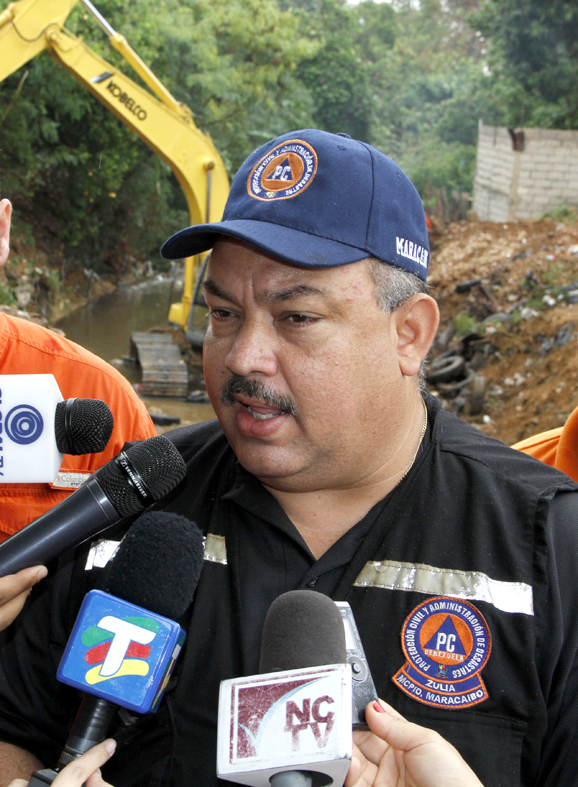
point(506, 294)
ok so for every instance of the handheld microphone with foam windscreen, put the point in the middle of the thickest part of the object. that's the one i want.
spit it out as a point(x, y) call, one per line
point(82, 426)
point(38, 428)
point(291, 727)
point(125, 642)
point(302, 629)
point(123, 487)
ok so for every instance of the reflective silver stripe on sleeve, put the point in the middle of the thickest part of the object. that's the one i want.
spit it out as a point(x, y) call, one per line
point(100, 553)
point(468, 585)
point(215, 549)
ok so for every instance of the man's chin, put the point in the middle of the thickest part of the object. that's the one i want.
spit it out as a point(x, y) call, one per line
point(271, 465)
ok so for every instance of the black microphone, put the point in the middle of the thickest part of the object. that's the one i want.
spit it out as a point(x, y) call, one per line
point(291, 725)
point(82, 426)
point(156, 570)
point(121, 488)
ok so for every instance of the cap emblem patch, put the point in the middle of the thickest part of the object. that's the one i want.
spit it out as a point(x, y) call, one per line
point(447, 643)
point(284, 172)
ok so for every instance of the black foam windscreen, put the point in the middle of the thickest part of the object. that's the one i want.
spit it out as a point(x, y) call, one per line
point(82, 426)
point(158, 564)
point(302, 629)
point(158, 464)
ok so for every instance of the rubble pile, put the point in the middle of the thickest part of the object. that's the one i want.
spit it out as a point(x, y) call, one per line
point(506, 355)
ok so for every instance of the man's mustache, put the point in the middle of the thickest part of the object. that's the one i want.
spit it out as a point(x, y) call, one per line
point(255, 389)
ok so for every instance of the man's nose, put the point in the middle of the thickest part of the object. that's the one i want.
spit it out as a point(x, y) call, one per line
point(253, 350)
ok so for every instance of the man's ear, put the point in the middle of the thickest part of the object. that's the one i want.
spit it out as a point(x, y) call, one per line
point(5, 213)
point(417, 322)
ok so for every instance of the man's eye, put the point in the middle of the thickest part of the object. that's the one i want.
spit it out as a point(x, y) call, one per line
point(220, 314)
point(300, 318)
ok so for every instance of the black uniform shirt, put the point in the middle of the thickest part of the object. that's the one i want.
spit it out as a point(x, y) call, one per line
point(276, 559)
point(265, 557)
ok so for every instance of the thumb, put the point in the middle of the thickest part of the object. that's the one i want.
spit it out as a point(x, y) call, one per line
point(390, 726)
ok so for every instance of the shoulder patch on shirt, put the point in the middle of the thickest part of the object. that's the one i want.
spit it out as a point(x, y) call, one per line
point(447, 643)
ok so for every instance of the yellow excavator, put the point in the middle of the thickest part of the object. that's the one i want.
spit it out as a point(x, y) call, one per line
point(27, 27)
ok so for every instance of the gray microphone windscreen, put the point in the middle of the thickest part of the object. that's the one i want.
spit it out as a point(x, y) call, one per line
point(302, 628)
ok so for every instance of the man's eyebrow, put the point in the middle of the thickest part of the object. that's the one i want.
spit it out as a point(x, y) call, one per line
point(278, 295)
point(293, 292)
point(210, 286)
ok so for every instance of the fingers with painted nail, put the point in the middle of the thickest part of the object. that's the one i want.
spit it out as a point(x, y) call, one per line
point(397, 753)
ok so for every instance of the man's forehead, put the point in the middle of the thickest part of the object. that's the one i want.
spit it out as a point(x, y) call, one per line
point(276, 279)
point(232, 250)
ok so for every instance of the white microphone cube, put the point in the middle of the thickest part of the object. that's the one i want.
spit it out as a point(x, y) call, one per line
point(28, 452)
point(299, 720)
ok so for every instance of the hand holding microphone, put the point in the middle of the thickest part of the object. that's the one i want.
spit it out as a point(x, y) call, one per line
point(397, 753)
point(128, 636)
point(83, 771)
point(14, 590)
point(294, 728)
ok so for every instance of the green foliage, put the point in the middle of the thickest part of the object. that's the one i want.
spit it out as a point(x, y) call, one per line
point(70, 167)
point(336, 77)
point(564, 213)
point(412, 78)
point(337, 84)
point(428, 89)
point(534, 54)
point(85, 180)
point(6, 295)
point(466, 325)
point(435, 164)
point(234, 64)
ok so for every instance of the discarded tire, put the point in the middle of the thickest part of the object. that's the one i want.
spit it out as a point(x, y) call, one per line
point(444, 369)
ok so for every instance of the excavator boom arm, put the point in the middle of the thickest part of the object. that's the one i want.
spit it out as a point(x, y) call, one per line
point(27, 27)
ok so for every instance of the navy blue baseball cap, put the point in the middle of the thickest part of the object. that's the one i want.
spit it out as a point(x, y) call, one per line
point(319, 200)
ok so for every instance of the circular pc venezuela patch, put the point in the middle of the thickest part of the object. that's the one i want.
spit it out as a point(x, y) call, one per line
point(447, 643)
point(284, 172)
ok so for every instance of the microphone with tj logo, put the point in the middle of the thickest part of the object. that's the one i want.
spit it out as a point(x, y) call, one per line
point(291, 726)
point(125, 642)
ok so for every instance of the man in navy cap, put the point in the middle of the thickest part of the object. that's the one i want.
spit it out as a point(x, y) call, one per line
point(331, 468)
point(302, 365)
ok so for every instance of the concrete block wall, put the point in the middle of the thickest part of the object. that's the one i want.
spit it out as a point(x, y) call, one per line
point(523, 184)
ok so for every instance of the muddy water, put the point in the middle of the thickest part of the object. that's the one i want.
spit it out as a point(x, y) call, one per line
point(104, 327)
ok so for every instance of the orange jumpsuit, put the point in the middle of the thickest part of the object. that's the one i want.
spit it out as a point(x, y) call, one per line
point(27, 348)
point(557, 447)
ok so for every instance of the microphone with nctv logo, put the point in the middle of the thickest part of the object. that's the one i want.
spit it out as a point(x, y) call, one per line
point(291, 725)
point(37, 427)
point(125, 642)
point(123, 487)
